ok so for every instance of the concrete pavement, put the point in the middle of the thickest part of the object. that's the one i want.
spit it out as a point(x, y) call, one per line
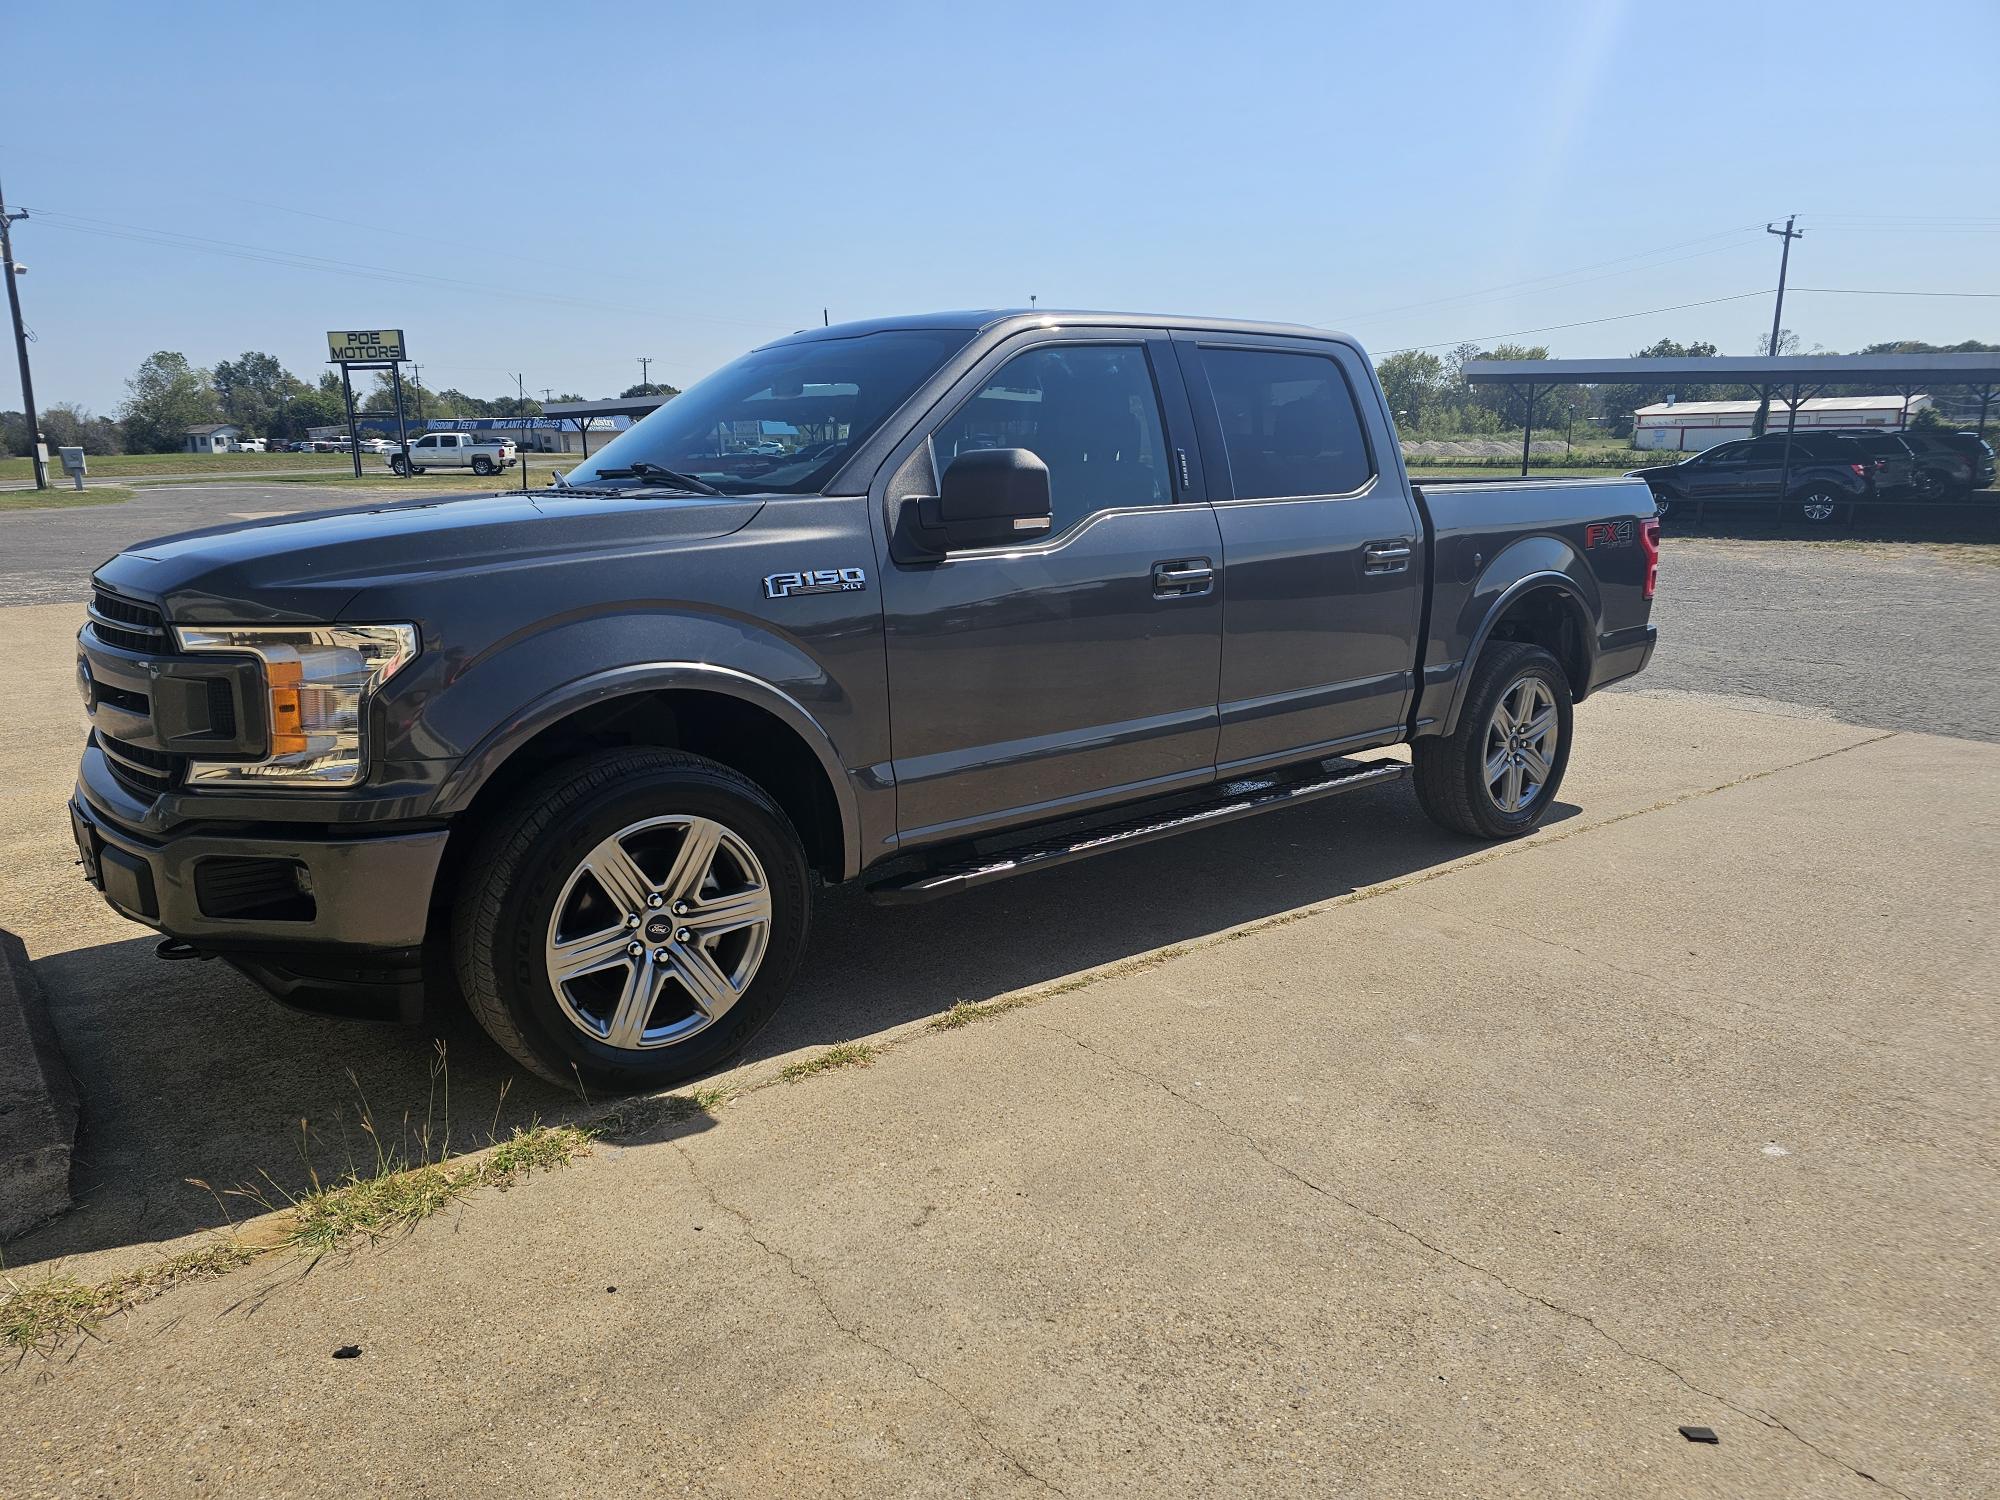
point(1337, 1157)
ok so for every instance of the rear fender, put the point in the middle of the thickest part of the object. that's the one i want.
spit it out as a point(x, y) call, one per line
point(1522, 568)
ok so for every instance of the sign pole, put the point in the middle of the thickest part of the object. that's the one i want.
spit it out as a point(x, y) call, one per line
point(353, 441)
point(402, 432)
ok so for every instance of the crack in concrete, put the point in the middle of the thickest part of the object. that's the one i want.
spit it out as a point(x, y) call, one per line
point(1285, 1169)
point(982, 1425)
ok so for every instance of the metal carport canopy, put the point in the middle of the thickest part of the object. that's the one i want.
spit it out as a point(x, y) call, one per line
point(1785, 369)
point(637, 406)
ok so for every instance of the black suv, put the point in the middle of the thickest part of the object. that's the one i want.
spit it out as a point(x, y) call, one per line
point(1963, 460)
point(1826, 472)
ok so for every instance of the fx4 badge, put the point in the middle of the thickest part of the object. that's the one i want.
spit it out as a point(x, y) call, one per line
point(1608, 534)
point(815, 581)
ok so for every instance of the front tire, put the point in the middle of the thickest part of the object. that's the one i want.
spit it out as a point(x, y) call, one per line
point(1496, 776)
point(634, 922)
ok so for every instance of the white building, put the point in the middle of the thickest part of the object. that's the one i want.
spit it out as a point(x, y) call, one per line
point(212, 437)
point(1692, 426)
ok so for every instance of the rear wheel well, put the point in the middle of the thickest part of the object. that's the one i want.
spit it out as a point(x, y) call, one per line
point(738, 734)
point(1551, 618)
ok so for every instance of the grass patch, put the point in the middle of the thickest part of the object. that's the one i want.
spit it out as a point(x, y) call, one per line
point(362, 1207)
point(182, 465)
point(38, 1317)
point(965, 1012)
point(846, 1055)
point(64, 498)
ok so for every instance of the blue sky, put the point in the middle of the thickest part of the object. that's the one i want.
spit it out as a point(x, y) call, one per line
point(558, 190)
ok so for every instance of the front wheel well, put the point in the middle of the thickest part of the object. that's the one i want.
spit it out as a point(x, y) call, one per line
point(736, 733)
point(1551, 618)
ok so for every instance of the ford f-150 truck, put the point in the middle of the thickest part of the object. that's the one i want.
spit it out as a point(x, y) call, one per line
point(924, 603)
point(453, 450)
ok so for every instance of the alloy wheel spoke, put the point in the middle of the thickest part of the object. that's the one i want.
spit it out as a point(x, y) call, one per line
point(694, 860)
point(1496, 765)
point(635, 1004)
point(1540, 725)
point(1538, 766)
point(1503, 718)
point(720, 914)
point(623, 881)
point(705, 982)
point(588, 954)
point(1510, 796)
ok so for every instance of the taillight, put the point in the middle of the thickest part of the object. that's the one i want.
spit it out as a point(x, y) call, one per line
point(1860, 470)
point(1649, 539)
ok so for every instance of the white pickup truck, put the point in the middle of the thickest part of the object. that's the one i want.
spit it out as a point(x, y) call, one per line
point(454, 450)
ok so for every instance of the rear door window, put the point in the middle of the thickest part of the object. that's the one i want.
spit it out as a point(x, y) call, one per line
point(1289, 424)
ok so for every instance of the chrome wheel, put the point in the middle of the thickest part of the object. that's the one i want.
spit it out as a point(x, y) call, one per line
point(1521, 745)
point(658, 932)
point(1818, 507)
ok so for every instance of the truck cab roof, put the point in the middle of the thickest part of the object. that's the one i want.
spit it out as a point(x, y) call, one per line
point(982, 320)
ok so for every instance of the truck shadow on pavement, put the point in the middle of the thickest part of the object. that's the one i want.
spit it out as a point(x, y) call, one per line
point(189, 1072)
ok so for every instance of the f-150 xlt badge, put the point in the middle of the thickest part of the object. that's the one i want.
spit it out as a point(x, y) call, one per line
point(814, 581)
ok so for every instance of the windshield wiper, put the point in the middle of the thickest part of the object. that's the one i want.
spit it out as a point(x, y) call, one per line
point(640, 469)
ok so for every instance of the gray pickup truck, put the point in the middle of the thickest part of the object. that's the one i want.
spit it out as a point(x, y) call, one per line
point(924, 603)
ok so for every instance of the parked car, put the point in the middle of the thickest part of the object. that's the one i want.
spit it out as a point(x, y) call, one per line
point(1975, 447)
point(1955, 465)
point(1825, 474)
point(377, 445)
point(596, 745)
point(454, 450)
point(247, 445)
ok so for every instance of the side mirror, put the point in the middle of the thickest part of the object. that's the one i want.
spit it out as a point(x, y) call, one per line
point(988, 498)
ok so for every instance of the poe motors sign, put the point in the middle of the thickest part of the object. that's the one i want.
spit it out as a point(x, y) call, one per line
point(365, 346)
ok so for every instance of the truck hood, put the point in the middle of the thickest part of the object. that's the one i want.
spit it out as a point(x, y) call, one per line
point(313, 568)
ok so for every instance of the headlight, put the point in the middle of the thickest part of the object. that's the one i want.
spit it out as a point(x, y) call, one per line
point(317, 680)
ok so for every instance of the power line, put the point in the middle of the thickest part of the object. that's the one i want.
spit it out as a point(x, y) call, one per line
point(1537, 281)
point(294, 260)
point(1860, 291)
point(1582, 323)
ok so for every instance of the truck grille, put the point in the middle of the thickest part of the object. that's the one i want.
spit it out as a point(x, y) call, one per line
point(127, 624)
point(143, 772)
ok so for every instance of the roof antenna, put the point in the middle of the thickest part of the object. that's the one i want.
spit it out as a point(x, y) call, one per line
point(1031, 299)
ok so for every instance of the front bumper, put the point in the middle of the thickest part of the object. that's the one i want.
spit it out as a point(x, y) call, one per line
point(338, 931)
point(362, 893)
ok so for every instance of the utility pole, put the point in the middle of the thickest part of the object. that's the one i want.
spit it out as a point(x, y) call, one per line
point(417, 384)
point(546, 390)
point(1788, 234)
point(13, 274)
point(645, 369)
point(521, 387)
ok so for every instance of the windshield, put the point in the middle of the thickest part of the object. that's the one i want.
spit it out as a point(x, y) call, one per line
point(777, 421)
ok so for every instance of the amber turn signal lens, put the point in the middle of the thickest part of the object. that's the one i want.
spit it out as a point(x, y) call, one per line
point(288, 734)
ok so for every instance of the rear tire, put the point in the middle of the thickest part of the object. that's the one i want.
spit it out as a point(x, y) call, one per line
point(1495, 779)
point(1819, 505)
point(482, 464)
point(400, 466)
point(713, 890)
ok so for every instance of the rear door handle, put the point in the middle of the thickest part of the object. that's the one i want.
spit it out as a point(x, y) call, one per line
point(1183, 579)
point(1386, 557)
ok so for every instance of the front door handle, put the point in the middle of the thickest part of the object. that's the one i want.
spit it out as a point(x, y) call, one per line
point(1182, 579)
point(1386, 557)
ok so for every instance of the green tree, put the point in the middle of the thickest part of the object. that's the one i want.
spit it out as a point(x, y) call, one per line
point(647, 388)
point(66, 425)
point(168, 396)
point(1413, 381)
point(253, 389)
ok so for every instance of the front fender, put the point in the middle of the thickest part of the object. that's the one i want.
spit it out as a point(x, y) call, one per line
point(495, 705)
point(1534, 562)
